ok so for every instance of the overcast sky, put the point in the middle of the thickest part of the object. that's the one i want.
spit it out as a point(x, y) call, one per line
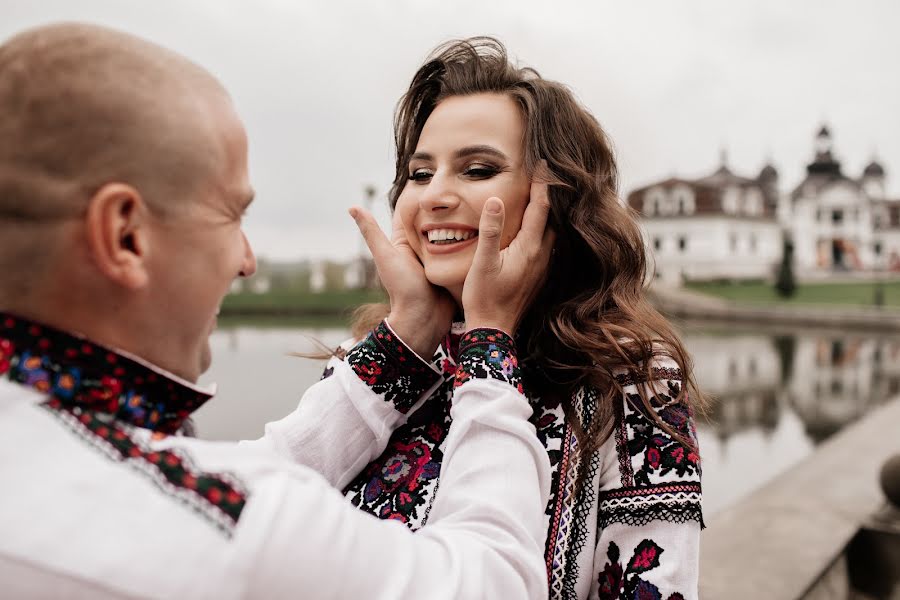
point(672, 81)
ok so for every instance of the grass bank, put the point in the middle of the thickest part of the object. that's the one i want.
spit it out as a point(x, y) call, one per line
point(335, 306)
point(825, 294)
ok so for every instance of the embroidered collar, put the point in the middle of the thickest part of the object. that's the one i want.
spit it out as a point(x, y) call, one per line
point(84, 374)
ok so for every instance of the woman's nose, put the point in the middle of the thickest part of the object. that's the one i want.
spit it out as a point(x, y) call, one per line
point(440, 194)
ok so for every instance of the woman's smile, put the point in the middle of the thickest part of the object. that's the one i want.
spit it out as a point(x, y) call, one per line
point(445, 238)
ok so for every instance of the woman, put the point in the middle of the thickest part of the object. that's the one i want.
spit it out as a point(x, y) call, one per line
point(608, 377)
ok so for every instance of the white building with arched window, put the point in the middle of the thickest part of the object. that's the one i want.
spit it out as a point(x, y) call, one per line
point(725, 226)
point(721, 226)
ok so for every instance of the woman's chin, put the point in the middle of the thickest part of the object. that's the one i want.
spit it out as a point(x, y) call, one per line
point(450, 280)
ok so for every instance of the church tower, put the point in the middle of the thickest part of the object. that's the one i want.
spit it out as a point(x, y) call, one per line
point(824, 162)
point(872, 180)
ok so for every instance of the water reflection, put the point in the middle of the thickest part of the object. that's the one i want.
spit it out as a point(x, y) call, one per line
point(777, 394)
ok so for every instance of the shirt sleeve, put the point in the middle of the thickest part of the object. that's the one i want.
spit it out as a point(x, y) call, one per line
point(486, 533)
point(345, 420)
point(649, 512)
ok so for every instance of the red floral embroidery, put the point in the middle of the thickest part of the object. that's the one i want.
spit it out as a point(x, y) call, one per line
point(82, 374)
point(212, 491)
point(615, 584)
point(488, 353)
point(383, 363)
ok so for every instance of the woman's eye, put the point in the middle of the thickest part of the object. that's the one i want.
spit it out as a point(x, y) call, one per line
point(481, 171)
point(420, 175)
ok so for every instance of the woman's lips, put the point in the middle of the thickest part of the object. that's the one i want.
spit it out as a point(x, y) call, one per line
point(449, 248)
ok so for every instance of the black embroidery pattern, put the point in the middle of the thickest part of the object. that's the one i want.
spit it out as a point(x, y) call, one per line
point(391, 369)
point(586, 401)
point(80, 373)
point(618, 583)
point(659, 373)
point(488, 354)
point(103, 397)
point(400, 482)
point(677, 502)
point(660, 476)
point(660, 452)
point(218, 497)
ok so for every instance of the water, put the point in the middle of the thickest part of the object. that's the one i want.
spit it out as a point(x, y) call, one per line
point(776, 393)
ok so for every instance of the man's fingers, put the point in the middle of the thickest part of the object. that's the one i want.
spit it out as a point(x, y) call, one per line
point(490, 230)
point(398, 234)
point(534, 221)
point(548, 241)
point(378, 244)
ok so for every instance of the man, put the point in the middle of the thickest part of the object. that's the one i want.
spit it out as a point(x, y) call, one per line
point(123, 179)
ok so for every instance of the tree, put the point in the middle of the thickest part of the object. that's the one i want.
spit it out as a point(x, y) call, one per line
point(785, 284)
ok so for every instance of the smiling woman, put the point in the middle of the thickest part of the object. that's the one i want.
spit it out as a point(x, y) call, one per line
point(470, 149)
point(607, 378)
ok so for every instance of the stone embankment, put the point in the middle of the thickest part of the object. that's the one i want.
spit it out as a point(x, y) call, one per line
point(778, 542)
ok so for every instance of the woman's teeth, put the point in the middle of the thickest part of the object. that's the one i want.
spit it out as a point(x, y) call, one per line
point(450, 236)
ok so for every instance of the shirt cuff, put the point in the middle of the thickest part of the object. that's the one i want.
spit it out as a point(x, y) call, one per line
point(488, 354)
point(388, 366)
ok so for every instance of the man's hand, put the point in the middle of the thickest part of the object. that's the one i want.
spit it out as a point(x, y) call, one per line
point(502, 283)
point(421, 313)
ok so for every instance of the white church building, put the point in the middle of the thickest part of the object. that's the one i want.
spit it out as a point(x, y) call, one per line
point(725, 226)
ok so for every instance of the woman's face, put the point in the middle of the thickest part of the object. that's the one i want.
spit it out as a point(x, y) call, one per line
point(471, 149)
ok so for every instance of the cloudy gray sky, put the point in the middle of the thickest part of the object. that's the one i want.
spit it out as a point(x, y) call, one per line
point(672, 81)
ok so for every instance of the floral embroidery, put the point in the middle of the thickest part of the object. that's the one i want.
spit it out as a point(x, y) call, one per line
point(6, 355)
point(550, 424)
point(81, 373)
point(661, 452)
point(660, 477)
point(400, 484)
point(388, 487)
point(391, 369)
point(218, 497)
point(402, 474)
point(488, 353)
point(617, 583)
point(103, 396)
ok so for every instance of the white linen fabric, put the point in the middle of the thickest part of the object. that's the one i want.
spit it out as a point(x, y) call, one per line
point(632, 529)
point(95, 506)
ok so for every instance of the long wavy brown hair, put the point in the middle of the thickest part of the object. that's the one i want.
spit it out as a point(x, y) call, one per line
point(591, 321)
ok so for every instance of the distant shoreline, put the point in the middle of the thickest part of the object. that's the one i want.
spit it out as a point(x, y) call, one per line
point(336, 309)
point(690, 304)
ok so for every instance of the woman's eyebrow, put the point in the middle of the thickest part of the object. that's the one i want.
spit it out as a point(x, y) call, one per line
point(480, 149)
point(464, 152)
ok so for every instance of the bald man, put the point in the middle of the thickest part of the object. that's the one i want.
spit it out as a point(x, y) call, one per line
point(123, 179)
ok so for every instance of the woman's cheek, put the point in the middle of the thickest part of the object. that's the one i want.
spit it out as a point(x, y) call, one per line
point(414, 240)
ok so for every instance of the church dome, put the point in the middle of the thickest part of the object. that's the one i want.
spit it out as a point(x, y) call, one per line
point(768, 173)
point(873, 169)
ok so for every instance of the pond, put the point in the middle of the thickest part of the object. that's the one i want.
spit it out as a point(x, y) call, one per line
point(775, 393)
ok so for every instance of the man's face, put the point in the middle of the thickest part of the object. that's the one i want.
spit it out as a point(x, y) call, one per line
point(198, 255)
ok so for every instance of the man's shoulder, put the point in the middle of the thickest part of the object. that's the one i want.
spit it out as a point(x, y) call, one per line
point(90, 497)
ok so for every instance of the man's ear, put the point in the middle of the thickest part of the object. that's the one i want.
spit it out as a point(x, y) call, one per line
point(117, 234)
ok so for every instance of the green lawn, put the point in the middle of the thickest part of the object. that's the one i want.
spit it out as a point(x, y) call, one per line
point(299, 303)
point(813, 293)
